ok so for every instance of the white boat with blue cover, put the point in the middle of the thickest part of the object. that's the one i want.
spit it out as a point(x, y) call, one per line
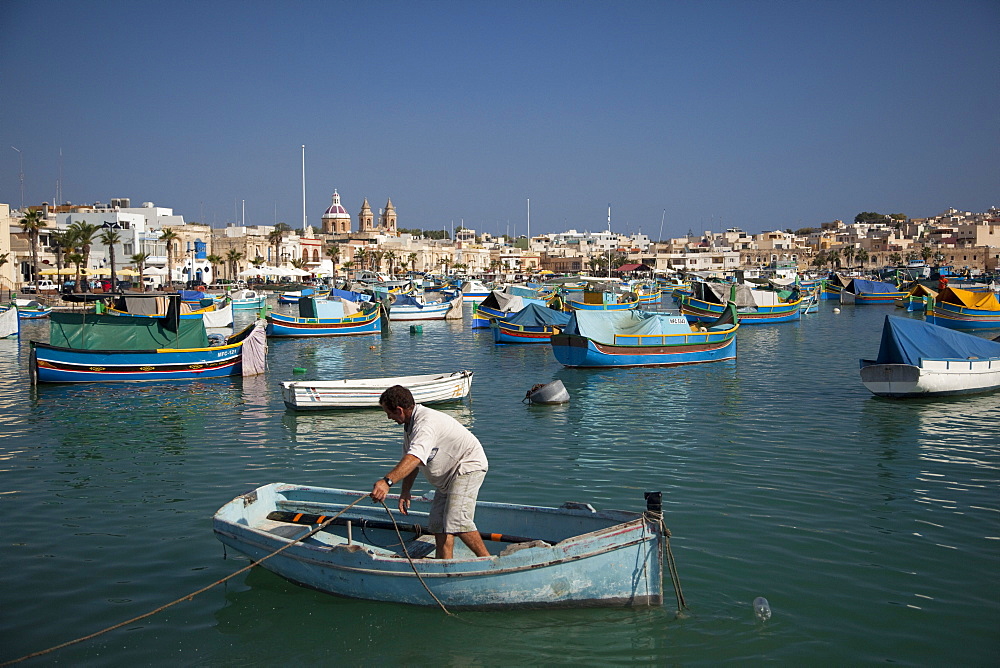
point(408, 307)
point(571, 556)
point(920, 359)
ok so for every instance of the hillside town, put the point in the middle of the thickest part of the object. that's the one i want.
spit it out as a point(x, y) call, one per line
point(66, 241)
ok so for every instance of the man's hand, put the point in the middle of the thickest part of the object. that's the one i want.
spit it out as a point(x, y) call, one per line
point(404, 503)
point(380, 491)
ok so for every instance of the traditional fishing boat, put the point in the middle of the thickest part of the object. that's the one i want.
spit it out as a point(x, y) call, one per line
point(474, 291)
point(919, 359)
point(364, 392)
point(956, 308)
point(596, 299)
point(833, 285)
point(860, 291)
point(571, 556)
point(708, 302)
point(87, 347)
point(29, 309)
point(532, 324)
point(643, 338)
point(408, 307)
point(916, 298)
point(328, 317)
point(810, 303)
point(247, 300)
point(156, 306)
point(501, 304)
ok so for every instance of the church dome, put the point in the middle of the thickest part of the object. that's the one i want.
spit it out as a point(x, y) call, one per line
point(336, 209)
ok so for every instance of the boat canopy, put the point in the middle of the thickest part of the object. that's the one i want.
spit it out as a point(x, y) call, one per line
point(534, 315)
point(907, 341)
point(90, 331)
point(859, 286)
point(983, 301)
point(511, 303)
point(603, 326)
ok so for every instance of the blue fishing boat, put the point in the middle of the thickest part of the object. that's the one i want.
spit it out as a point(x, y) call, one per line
point(245, 300)
point(293, 296)
point(501, 304)
point(29, 309)
point(860, 291)
point(571, 556)
point(708, 302)
point(532, 324)
point(408, 307)
point(643, 338)
point(327, 317)
point(956, 308)
point(604, 300)
point(917, 298)
point(89, 347)
point(920, 359)
point(474, 291)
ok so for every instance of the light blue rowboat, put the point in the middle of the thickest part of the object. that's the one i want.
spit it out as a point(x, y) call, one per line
point(571, 556)
point(641, 338)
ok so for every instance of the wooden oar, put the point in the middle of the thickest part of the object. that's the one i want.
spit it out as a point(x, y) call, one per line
point(303, 518)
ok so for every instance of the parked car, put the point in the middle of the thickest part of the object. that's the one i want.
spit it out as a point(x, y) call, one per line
point(44, 285)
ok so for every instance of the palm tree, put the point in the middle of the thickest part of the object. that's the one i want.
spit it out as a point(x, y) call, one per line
point(862, 257)
point(233, 257)
point(109, 238)
point(361, 255)
point(849, 255)
point(895, 258)
point(926, 253)
point(833, 257)
point(139, 260)
point(333, 252)
point(77, 259)
point(274, 238)
point(391, 257)
point(63, 242)
point(412, 259)
point(215, 261)
point(84, 234)
point(32, 224)
point(169, 236)
point(446, 262)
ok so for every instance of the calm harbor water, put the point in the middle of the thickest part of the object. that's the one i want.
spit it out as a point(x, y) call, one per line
point(871, 526)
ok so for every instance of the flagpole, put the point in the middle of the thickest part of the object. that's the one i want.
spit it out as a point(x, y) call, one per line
point(303, 187)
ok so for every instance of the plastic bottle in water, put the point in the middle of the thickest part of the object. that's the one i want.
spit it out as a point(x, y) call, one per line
point(761, 609)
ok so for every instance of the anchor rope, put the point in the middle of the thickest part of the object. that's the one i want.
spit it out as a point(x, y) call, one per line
point(657, 518)
point(187, 597)
point(412, 565)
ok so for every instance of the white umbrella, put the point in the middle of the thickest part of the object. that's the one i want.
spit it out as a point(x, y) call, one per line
point(154, 271)
point(296, 272)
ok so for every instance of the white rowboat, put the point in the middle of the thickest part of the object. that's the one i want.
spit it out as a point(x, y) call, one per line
point(365, 392)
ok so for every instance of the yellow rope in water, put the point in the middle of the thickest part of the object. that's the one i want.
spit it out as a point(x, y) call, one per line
point(187, 597)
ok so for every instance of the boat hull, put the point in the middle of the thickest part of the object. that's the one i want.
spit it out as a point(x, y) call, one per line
point(962, 317)
point(52, 364)
point(581, 558)
point(365, 393)
point(428, 312)
point(578, 351)
point(507, 333)
point(934, 378)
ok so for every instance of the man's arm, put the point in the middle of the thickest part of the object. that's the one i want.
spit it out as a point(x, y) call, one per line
point(405, 470)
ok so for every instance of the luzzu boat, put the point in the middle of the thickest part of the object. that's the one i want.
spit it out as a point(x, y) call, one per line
point(860, 291)
point(643, 338)
point(916, 298)
point(327, 317)
point(956, 308)
point(571, 556)
point(365, 392)
point(500, 304)
point(87, 347)
point(919, 359)
point(708, 302)
point(532, 324)
point(247, 300)
point(29, 309)
point(408, 307)
point(474, 291)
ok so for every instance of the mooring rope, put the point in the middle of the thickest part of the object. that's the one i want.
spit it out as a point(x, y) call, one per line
point(188, 597)
point(657, 518)
point(410, 559)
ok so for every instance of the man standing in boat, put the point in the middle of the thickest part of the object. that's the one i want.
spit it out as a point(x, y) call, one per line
point(450, 457)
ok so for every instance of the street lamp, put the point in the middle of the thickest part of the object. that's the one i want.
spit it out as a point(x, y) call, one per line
point(20, 159)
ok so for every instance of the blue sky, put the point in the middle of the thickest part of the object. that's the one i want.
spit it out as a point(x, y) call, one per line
point(701, 115)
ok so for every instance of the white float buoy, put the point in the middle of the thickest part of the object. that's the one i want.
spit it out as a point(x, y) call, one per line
point(836, 310)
